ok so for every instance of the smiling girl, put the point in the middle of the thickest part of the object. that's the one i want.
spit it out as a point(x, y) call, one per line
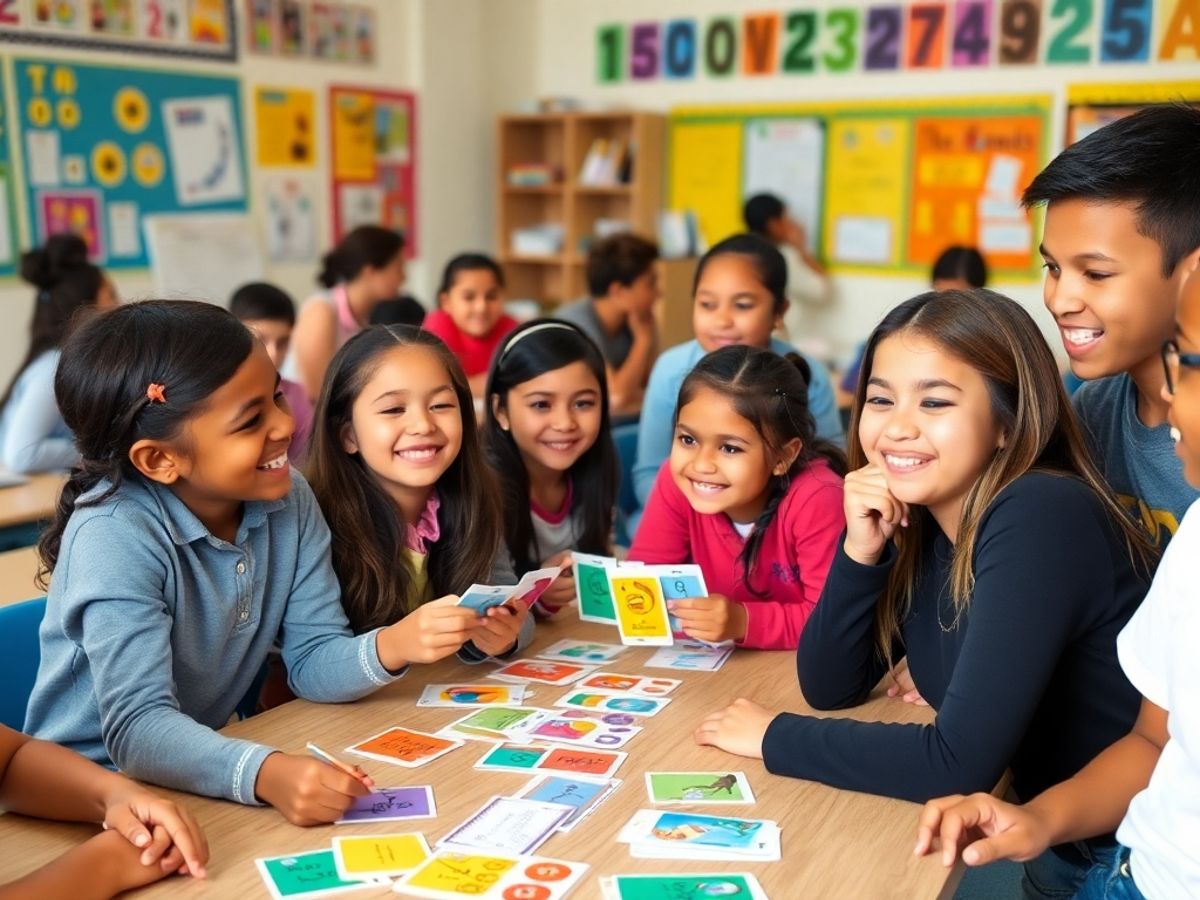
point(981, 541)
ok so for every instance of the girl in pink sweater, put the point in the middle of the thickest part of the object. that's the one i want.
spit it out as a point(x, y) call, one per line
point(749, 494)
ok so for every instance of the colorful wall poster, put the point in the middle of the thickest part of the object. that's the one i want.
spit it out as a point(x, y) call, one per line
point(200, 28)
point(285, 127)
point(786, 157)
point(706, 159)
point(8, 221)
point(373, 145)
point(1092, 106)
point(865, 190)
point(322, 29)
point(107, 145)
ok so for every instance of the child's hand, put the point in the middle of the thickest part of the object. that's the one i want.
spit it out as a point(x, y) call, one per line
point(711, 619)
point(118, 864)
point(983, 828)
point(432, 631)
point(739, 728)
point(306, 791)
point(497, 632)
point(872, 514)
point(903, 685)
point(562, 592)
point(135, 812)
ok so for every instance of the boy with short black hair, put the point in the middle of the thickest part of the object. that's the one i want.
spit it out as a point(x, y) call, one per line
point(807, 283)
point(270, 313)
point(1122, 233)
point(618, 314)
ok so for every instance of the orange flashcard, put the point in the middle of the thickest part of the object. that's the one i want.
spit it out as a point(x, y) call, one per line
point(404, 747)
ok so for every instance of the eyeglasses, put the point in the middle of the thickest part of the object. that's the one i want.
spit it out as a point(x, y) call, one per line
point(1172, 359)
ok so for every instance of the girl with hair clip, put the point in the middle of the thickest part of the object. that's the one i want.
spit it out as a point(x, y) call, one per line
point(183, 549)
point(547, 437)
point(749, 494)
point(397, 467)
point(33, 437)
point(982, 542)
point(363, 270)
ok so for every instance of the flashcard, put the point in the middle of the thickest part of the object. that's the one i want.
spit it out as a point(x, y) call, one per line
point(492, 877)
point(482, 597)
point(582, 651)
point(691, 656)
point(668, 835)
point(379, 855)
point(513, 757)
point(680, 583)
point(582, 793)
point(494, 723)
point(542, 671)
point(468, 695)
point(615, 683)
point(404, 747)
point(582, 761)
point(698, 787)
point(619, 703)
point(592, 590)
point(584, 730)
point(742, 885)
point(508, 825)
point(391, 805)
point(533, 584)
point(641, 609)
point(312, 874)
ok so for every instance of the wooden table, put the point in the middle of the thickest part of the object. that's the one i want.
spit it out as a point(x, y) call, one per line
point(33, 501)
point(17, 571)
point(835, 843)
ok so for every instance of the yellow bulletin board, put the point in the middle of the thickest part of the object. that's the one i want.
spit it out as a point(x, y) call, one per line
point(900, 180)
point(1092, 106)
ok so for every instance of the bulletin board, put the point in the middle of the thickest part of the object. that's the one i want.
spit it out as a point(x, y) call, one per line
point(105, 146)
point(373, 136)
point(8, 221)
point(900, 182)
point(1092, 106)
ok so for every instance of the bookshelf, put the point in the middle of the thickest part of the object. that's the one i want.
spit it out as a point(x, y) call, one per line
point(558, 145)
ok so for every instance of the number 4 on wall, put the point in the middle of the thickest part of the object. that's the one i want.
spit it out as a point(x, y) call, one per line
point(972, 40)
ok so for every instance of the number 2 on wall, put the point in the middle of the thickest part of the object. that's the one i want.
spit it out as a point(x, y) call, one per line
point(883, 37)
point(1066, 46)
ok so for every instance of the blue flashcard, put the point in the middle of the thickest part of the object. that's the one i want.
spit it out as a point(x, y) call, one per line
point(482, 597)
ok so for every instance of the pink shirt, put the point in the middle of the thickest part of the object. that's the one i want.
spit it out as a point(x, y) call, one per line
point(474, 353)
point(793, 559)
point(302, 412)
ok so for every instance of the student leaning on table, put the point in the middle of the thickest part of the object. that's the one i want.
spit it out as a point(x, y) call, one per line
point(982, 543)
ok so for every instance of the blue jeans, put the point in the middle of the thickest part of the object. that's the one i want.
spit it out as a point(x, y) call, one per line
point(1111, 882)
point(1054, 877)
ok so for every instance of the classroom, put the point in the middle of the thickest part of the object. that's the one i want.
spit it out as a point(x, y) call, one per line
point(663, 448)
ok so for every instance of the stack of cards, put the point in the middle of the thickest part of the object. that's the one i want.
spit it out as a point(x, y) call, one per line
point(690, 656)
point(584, 794)
point(482, 597)
point(698, 787)
point(492, 876)
point(742, 885)
point(653, 834)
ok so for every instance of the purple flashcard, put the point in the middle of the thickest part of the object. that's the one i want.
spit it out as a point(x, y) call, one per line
point(391, 805)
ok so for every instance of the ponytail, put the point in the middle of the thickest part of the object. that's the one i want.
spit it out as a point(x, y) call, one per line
point(366, 245)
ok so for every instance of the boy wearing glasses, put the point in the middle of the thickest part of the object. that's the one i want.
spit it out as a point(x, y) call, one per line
point(1122, 233)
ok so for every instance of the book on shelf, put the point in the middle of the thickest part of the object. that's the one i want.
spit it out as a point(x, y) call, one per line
point(608, 162)
point(545, 239)
point(533, 175)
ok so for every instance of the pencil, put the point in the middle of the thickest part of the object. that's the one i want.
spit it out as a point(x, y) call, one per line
point(339, 765)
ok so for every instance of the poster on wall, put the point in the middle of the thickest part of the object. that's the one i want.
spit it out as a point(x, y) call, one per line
point(285, 127)
point(330, 30)
point(373, 145)
point(290, 221)
point(106, 146)
point(203, 29)
point(785, 157)
point(1092, 106)
point(8, 229)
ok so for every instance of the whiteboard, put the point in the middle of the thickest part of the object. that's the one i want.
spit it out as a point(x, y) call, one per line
point(202, 256)
point(786, 157)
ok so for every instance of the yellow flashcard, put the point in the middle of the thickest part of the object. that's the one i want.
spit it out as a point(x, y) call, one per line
point(379, 855)
point(641, 609)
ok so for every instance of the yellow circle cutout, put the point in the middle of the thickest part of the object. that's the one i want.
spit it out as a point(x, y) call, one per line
point(148, 165)
point(108, 164)
point(68, 113)
point(131, 110)
point(40, 112)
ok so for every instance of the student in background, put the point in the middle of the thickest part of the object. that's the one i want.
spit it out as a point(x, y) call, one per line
point(547, 438)
point(980, 541)
point(1121, 234)
point(398, 470)
point(363, 270)
point(618, 314)
point(751, 495)
point(145, 837)
point(33, 437)
point(1147, 782)
point(807, 281)
point(402, 310)
point(270, 314)
point(470, 317)
point(183, 549)
point(739, 296)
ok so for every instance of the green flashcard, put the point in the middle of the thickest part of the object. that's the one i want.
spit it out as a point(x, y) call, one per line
point(303, 875)
point(595, 592)
point(674, 887)
point(496, 718)
point(510, 757)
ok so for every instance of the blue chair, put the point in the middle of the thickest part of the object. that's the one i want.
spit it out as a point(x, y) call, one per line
point(625, 438)
point(20, 654)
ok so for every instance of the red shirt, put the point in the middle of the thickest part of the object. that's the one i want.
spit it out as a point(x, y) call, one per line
point(474, 353)
point(792, 562)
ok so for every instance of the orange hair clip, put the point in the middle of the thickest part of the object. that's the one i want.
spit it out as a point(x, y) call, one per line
point(154, 393)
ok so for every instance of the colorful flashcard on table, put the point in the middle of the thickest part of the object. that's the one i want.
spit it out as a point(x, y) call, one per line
point(584, 794)
point(589, 763)
point(616, 683)
point(404, 747)
point(581, 651)
point(742, 885)
point(541, 671)
point(586, 729)
point(492, 877)
point(632, 704)
point(494, 723)
point(482, 597)
point(690, 656)
point(513, 757)
point(698, 787)
point(507, 825)
point(653, 834)
point(391, 805)
point(457, 696)
point(305, 875)
point(379, 855)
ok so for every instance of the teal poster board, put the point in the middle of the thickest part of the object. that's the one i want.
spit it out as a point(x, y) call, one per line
point(8, 218)
point(105, 146)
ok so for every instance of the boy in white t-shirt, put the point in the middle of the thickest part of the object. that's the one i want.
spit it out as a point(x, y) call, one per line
point(1149, 781)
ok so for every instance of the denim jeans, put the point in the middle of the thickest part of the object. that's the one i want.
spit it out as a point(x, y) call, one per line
point(1053, 877)
point(1111, 882)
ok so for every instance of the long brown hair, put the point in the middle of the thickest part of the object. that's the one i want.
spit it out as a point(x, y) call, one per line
point(999, 339)
point(368, 533)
